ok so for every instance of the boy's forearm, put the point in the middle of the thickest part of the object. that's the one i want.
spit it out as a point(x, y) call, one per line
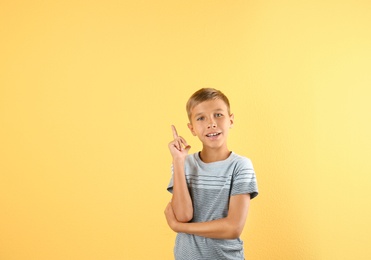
point(229, 227)
point(218, 229)
point(181, 200)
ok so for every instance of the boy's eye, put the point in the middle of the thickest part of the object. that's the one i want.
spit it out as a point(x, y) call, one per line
point(218, 115)
point(200, 118)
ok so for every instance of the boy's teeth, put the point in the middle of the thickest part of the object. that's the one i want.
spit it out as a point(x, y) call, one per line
point(212, 134)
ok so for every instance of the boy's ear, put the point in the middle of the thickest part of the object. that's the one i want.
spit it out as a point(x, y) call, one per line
point(190, 126)
point(231, 118)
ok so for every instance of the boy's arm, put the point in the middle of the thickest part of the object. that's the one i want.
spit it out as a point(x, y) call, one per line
point(229, 227)
point(181, 201)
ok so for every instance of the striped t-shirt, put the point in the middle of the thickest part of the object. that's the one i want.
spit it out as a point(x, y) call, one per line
point(210, 186)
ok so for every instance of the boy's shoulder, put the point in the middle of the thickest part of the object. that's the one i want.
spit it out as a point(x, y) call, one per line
point(241, 157)
point(241, 160)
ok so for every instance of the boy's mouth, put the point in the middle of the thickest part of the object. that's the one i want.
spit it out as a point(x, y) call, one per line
point(213, 134)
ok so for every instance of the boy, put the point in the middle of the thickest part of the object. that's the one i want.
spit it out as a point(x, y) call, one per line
point(212, 188)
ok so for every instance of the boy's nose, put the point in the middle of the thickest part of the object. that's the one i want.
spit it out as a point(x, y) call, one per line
point(212, 125)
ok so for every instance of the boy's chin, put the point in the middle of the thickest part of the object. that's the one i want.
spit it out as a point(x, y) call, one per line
point(213, 146)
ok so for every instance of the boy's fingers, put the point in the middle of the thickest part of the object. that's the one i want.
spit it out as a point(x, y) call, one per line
point(179, 142)
point(175, 134)
point(183, 141)
point(179, 145)
point(187, 148)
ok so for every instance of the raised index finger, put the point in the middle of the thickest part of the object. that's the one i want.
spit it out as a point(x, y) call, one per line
point(175, 134)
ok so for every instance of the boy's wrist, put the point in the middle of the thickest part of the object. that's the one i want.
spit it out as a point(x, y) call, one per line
point(178, 160)
point(177, 227)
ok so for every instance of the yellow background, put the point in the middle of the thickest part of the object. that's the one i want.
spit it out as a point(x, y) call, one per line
point(89, 89)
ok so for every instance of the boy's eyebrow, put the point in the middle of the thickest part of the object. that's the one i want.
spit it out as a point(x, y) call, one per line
point(216, 110)
point(198, 114)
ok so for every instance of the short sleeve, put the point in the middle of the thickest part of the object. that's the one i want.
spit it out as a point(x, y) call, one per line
point(244, 179)
point(171, 184)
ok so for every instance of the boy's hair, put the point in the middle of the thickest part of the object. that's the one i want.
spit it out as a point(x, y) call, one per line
point(205, 94)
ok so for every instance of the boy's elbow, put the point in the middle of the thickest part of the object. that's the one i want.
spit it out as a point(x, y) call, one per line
point(235, 230)
point(235, 233)
point(232, 234)
point(183, 214)
point(185, 217)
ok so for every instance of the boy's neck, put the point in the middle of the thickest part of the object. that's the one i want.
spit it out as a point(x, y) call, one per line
point(214, 155)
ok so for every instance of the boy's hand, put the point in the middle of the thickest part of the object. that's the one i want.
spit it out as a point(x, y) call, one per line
point(178, 147)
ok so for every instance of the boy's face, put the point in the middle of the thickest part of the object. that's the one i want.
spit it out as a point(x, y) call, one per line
point(210, 122)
